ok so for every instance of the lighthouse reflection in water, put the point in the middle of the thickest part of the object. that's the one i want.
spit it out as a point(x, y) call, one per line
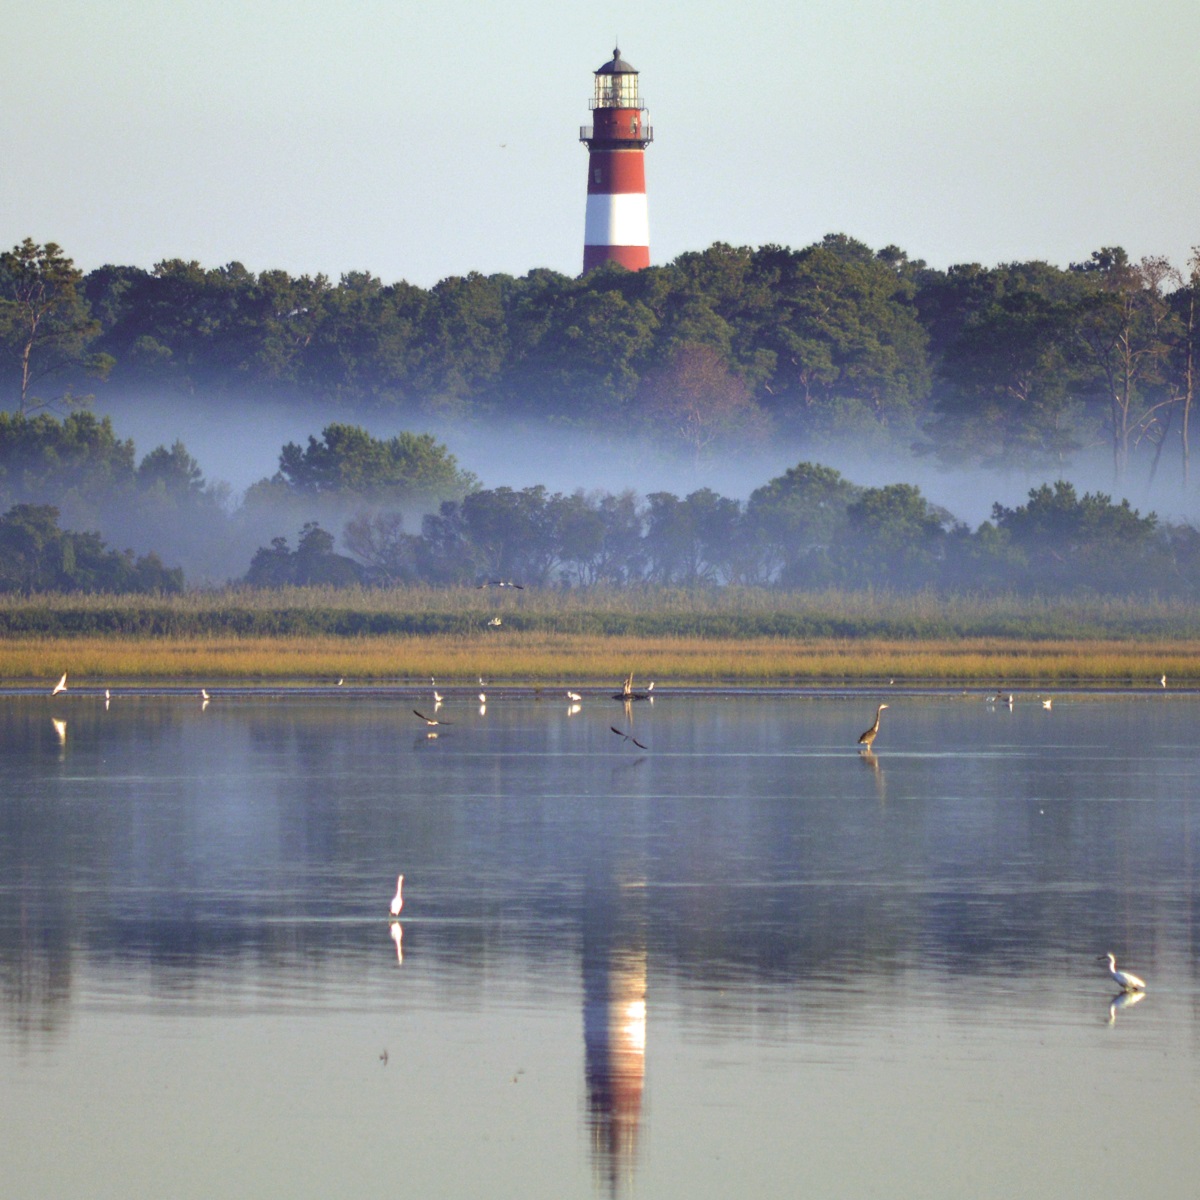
point(614, 1026)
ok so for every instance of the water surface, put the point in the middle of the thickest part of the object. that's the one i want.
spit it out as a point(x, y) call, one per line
point(745, 960)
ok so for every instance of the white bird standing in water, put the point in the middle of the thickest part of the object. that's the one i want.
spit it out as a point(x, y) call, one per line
point(574, 697)
point(397, 899)
point(1163, 681)
point(1048, 703)
point(61, 685)
point(1127, 980)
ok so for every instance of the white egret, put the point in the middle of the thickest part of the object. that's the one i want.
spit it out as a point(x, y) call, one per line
point(1048, 703)
point(61, 685)
point(437, 696)
point(574, 697)
point(483, 697)
point(868, 735)
point(204, 695)
point(1127, 981)
point(397, 899)
point(1163, 681)
point(495, 621)
point(341, 680)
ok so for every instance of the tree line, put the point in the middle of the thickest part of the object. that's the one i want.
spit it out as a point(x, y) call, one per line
point(807, 529)
point(1018, 364)
point(404, 512)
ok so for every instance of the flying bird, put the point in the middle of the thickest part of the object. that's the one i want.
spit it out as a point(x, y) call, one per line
point(1049, 703)
point(61, 685)
point(430, 720)
point(397, 899)
point(1127, 980)
point(868, 735)
point(495, 621)
point(627, 737)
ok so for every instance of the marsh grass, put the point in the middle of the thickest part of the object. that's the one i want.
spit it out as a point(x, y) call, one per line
point(752, 636)
point(590, 660)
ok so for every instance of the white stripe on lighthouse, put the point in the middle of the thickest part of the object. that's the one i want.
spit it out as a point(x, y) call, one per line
point(622, 219)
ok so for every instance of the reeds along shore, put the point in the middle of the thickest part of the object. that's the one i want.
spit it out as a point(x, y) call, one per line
point(729, 635)
point(748, 636)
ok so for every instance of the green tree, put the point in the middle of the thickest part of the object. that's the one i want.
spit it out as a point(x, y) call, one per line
point(792, 520)
point(45, 323)
point(348, 461)
point(893, 537)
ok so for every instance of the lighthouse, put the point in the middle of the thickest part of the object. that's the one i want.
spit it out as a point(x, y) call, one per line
point(617, 229)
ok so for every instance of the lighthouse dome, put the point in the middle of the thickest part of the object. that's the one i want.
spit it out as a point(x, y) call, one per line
point(617, 66)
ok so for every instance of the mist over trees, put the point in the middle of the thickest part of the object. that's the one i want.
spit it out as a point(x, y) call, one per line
point(1022, 365)
point(992, 366)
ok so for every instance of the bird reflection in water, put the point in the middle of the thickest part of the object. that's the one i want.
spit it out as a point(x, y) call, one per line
point(868, 759)
point(60, 730)
point(397, 932)
point(614, 1031)
point(1123, 1000)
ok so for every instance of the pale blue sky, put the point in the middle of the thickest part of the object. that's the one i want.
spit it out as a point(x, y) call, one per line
point(420, 141)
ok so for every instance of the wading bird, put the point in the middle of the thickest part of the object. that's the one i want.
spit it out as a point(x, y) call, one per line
point(397, 899)
point(1048, 703)
point(868, 735)
point(204, 695)
point(1163, 681)
point(574, 697)
point(61, 685)
point(1128, 982)
point(627, 737)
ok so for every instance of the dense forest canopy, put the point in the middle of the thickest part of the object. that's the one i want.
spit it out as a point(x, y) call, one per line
point(1018, 365)
point(996, 366)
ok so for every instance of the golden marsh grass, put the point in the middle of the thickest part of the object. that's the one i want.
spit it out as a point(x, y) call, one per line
point(541, 658)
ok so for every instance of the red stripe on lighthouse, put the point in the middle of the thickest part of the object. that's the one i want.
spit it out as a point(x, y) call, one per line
point(612, 171)
point(632, 258)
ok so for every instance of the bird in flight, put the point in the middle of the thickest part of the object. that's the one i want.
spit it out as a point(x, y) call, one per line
point(1127, 981)
point(430, 720)
point(868, 735)
point(61, 685)
point(627, 737)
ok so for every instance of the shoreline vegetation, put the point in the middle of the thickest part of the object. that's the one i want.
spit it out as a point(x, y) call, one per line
point(735, 636)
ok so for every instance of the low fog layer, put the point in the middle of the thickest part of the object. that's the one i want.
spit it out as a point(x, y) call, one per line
point(242, 449)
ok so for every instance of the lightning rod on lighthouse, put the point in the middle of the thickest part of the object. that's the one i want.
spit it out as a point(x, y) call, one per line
point(617, 228)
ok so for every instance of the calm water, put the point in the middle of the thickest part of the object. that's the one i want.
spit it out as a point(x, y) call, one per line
point(744, 961)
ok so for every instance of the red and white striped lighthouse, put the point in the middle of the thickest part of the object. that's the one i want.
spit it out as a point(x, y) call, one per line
point(617, 229)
